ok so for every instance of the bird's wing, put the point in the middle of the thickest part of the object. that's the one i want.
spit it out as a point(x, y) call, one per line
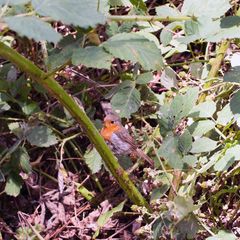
point(125, 136)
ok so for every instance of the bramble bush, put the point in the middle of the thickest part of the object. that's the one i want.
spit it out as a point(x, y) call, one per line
point(176, 71)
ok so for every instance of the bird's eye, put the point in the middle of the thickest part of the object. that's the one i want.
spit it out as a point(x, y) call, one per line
point(112, 122)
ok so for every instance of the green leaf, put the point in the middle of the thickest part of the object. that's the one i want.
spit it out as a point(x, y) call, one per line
point(93, 160)
point(4, 106)
point(139, 4)
point(225, 115)
point(159, 226)
point(230, 21)
point(190, 160)
point(182, 104)
point(144, 78)
point(203, 144)
point(21, 156)
point(166, 36)
point(166, 11)
point(196, 69)
point(223, 235)
point(105, 217)
point(13, 184)
point(116, 3)
point(187, 228)
point(231, 155)
point(207, 8)
point(30, 107)
point(235, 103)
point(169, 150)
point(233, 75)
point(41, 136)
point(126, 100)
point(165, 179)
point(16, 129)
point(170, 116)
point(183, 206)
point(13, 2)
point(224, 33)
point(203, 110)
point(59, 57)
point(136, 48)
point(204, 28)
point(199, 128)
point(82, 13)
point(94, 57)
point(157, 193)
point(185, 142)
point(34, 28)
point(169, 78)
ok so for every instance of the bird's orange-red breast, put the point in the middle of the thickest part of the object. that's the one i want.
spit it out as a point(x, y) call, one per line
point(119, 139)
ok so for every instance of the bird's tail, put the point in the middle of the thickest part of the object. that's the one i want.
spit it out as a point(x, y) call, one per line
point(142, 155)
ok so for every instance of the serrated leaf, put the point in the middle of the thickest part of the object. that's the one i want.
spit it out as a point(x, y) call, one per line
point(223, 235)
point(144, 78)
point(136, 48)
point(203, 110)
point(233, 75)
point(41, 136)
point(199, 128)
point(203, 144)
point(13, 184)
point(170, 152)
point(231, 155)
point(235, 103)
point(34, 28)
point(170, 116)
point(169, 78)
point(105, 217)
point(93, 160)
point(166, 11)
point(21, 156)
point(82, 13)
point(225, 115)
point(126, 100)
point(208, 8)
point(185, 142)
point(94, 57)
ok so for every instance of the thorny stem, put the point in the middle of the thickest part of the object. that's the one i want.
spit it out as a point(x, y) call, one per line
point(215, 66)
point(148, 18)
point(70, 104)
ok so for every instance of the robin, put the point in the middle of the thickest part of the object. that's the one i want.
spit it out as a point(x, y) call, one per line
point(119, 139)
